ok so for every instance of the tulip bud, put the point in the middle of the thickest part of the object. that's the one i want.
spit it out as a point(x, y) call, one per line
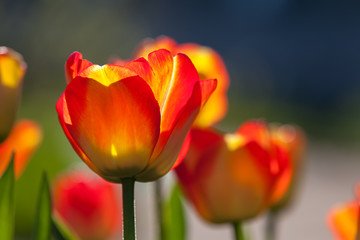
point(88, 205)
point(12, 70)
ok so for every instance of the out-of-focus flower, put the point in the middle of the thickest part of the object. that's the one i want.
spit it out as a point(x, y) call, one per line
point(12, 71)
point(293, 140)
point(89, 205)
point(208, 63)
point(233, 177)
point(131, 121)
point(23, 140)
point(344, 220)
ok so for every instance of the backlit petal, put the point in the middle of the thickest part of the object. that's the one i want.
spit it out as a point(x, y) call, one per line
point(74, 65)
point(106, 74)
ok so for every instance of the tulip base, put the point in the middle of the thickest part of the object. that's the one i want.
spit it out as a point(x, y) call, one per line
point(128, 185)
point(238, 231)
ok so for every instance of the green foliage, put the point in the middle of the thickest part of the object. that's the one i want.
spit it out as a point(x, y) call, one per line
point(43, 216)
point(174, 220)
point(7, 206)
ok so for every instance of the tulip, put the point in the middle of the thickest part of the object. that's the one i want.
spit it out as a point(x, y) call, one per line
point(209, 64)
point(23, 140)
point(87, 204)
point(344, 219)
point(12, 71)
point(131, 121)
point(233, 177)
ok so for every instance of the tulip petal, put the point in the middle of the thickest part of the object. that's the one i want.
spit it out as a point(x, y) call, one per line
point(178, 77)
point(142, 68)
point(74, 65)
point(209, 64)
point(150, 45)
point(116, 124)
point(170, 142)
point(24, 138)
point(64, 119)
point(106, 74)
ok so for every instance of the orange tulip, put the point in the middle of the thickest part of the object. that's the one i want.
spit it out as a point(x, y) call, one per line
point(131, 121)
point(208, 64)
point(344, 220)
point(12, 71)
point(24, 138)
point(293, 140)
point(88, 205)
point(233, 177)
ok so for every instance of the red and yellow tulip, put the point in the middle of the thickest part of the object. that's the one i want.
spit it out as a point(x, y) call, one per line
point(209, 64)
point(88, 205)
point(233, 177)
point(131, 121)
point(23, 140)
point(12, 71)
point(344, 219)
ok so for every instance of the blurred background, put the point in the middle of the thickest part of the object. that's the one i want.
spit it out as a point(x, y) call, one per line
point(289, 61)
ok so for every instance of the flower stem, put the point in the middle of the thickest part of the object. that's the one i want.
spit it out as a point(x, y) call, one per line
point(159, 209)
point(128, 185)
point(238, 231)
point(271, 220)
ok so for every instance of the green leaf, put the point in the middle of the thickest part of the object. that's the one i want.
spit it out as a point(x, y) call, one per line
point(43, 216)
point(174, 220)
point(7, 206)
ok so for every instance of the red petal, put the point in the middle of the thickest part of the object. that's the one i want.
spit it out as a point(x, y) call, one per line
point(170, 142)
point(65, 120)
point(74, 65)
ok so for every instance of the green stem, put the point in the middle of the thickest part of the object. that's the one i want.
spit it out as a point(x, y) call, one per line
point(271, 220)
point(159, 209)
point(238, 231)
point(128, 209)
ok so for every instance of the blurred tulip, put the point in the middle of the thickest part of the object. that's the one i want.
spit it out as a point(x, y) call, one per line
point(24, 139)
point(233, 177)
point(88, 205)
point(131, 121)
point(344, 220)
point(293, 140)
point(209, 64)
point(12, 71)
